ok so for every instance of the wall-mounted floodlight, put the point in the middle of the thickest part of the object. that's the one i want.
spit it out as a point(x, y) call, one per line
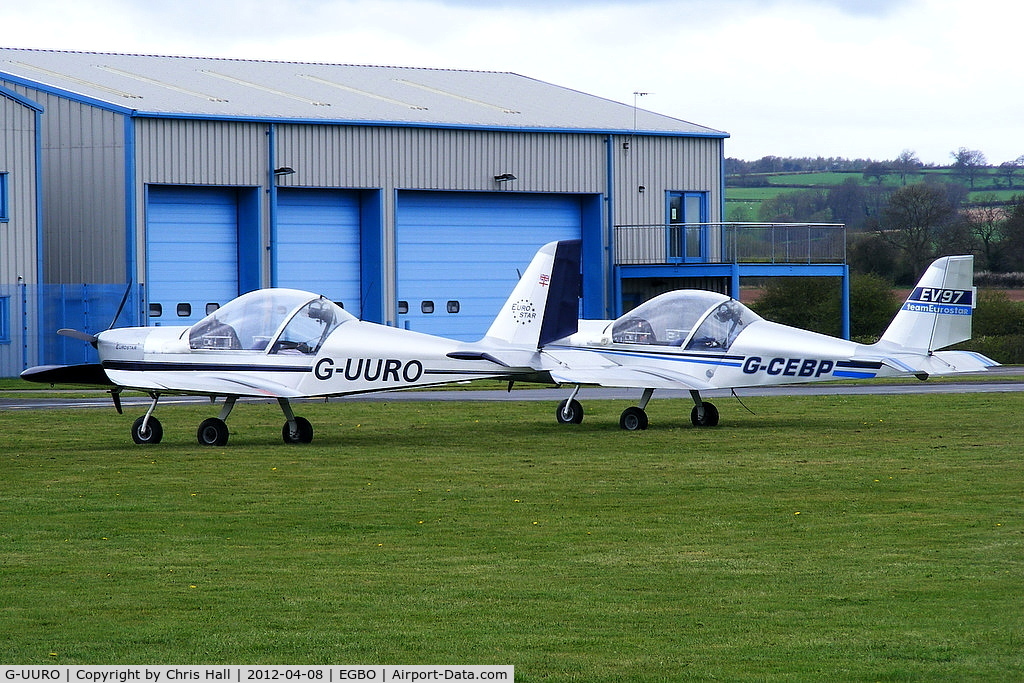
point(504, 177)
point(283, 171)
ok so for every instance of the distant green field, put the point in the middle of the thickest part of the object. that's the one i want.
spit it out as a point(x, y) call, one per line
point(821, 538)
point(743, 203)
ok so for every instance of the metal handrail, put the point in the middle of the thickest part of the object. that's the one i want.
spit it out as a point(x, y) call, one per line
point(674, 243)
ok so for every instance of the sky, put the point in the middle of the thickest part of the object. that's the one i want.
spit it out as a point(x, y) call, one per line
point(830, 78)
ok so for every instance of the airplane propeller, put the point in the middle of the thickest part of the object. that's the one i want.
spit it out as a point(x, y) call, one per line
point(78, 334)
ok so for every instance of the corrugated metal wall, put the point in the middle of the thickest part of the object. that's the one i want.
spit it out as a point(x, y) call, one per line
point(660, 165)
point(83, 158)
point(18, 260)
point(427, 159)
point(186, 152)
point(18, 160)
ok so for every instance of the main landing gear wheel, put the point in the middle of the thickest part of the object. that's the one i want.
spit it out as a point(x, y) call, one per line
point(633, 419)
point(152, 434)
point(212, 432)
point(709, 418)
point(303, 432)
point(569, 412)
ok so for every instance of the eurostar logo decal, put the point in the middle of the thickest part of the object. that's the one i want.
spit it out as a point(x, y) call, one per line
point(523, 312)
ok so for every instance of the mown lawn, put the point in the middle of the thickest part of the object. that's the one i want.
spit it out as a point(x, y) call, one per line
point(843, 538)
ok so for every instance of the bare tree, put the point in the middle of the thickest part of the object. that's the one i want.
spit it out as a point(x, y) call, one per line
point(906, 162)
point(915, 219)
point(968, 163)
point(1010, 167)
point(985, 223)
point(876, 171)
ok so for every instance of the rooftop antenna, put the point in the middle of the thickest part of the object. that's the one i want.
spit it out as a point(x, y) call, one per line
point(636, 96)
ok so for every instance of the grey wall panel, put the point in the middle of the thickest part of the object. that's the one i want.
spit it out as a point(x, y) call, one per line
point(18, 163)
point(18, 261)
point(424, 158)
point(83, 158)
point(186, 152)
point(660, 165)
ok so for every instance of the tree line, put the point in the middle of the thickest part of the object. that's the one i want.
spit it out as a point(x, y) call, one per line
point(968, 163)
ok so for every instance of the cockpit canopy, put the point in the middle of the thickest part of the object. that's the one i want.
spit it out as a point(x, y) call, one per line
point(705, 321)
point(269, 320)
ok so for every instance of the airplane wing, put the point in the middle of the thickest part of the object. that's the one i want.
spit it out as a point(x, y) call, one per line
point(579, 367)
point(637, 377)
point(86, 373)
point(204, 384)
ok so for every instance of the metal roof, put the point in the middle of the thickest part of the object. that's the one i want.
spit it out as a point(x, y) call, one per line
point(202, 87)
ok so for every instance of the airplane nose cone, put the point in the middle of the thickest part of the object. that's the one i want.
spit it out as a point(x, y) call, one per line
point(126, 343)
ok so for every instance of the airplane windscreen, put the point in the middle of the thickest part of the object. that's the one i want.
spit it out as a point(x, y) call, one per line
point(721, 326)
point(666, 319)
point(252, 320)
point(309, 327)
point(669, 320)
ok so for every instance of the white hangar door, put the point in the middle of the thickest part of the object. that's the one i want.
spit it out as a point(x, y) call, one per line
point(318, 244)
point(192, 254)
point(459, 254)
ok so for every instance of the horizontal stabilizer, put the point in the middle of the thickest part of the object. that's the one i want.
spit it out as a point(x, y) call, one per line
point(87, 373)
point(477, 355)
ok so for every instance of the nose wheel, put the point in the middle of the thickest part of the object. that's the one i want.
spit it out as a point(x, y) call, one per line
point(146, 429)
point(143, 432)
point(570, 411)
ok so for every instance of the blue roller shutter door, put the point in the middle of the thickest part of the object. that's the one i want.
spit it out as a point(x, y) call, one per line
point(459, 254)
point(318, 244)
point(192, 252)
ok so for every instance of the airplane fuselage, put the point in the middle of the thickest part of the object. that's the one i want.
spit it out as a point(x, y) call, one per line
point(356, 358)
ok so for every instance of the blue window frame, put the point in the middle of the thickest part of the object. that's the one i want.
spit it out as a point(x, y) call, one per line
point(687, 236)
point(5, 320)
point(4, 213)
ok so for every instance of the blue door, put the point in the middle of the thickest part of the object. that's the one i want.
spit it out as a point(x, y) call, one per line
point(192, 258)
point(459, 254)
point(318, 244)
point(687, 230)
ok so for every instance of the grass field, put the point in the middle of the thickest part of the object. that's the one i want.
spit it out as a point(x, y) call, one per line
point(842, 538)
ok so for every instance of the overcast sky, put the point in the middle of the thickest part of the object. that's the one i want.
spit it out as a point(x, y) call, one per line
point(850, 78)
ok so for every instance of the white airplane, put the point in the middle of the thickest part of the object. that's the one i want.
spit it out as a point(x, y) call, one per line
point(289, 344)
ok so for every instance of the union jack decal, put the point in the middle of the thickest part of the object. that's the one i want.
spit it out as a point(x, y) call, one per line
point(545, 280)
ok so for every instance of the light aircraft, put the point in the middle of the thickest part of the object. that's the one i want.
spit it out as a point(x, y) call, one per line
point(289, 344)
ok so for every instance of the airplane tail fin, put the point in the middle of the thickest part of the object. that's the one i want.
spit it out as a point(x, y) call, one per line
point(938, 311)
point(544, 306)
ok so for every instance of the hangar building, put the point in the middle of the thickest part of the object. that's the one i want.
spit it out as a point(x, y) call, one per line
point(411, 196)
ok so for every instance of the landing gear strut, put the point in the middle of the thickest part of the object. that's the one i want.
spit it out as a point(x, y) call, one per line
point(704, 414)
point(296, 429)
point(214, 431)
point(570, 411)
point(634, 418)
point(147, 429)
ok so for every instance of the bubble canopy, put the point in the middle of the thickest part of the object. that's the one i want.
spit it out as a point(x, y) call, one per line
point(699, 320)
point(270, 321)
